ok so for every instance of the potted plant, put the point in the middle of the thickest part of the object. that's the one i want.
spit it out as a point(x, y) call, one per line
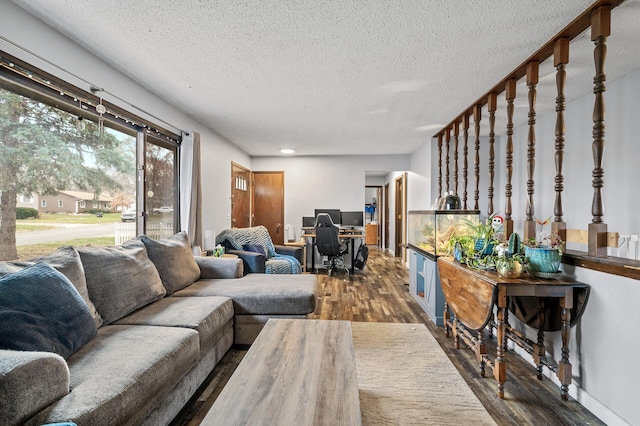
point(460, 246)
point(544, 256)
point(483, 234)
point(510, 259)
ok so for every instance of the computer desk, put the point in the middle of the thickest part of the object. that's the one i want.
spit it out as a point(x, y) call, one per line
point(345, 234)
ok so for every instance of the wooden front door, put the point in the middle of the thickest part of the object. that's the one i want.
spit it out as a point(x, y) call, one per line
point(386, 216)
point(240, 196)
point(268, 203)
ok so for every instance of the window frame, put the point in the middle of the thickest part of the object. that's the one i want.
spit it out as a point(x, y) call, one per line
point(27, 80)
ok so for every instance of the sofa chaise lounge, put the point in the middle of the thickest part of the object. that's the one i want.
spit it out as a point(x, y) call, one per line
point(153, 321)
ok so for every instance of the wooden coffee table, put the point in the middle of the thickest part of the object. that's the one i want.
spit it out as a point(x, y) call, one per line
point(300, 372)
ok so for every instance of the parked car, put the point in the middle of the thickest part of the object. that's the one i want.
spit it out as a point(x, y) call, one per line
point(128, 215)
point(163, 209)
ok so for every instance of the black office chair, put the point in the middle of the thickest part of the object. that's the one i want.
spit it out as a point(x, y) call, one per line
point(328, 243)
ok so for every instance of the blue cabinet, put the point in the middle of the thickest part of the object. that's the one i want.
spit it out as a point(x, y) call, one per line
point(424, 284)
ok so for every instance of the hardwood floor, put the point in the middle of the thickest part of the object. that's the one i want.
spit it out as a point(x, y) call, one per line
point(380, 293)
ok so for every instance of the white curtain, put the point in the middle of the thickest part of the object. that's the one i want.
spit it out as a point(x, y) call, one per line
point(191, 188)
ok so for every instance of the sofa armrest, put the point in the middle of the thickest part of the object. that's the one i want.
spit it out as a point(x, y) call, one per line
point(254, 263)
point(294, 251)
point(219, 267)
point(29, 382)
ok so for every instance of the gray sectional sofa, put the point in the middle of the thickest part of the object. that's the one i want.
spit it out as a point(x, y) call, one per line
point(144, 324)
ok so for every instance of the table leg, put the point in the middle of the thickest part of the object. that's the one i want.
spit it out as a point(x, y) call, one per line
point(446, 318)
point(564, 367)
point(481, 351)
point(455, 330)
point(500, 366)
point(539, 349)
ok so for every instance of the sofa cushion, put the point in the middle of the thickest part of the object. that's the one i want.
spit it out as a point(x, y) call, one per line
point(206, 315)
point(219, 267)
point(261, 294)
point(174, 260)
point(120, 279)
point(40, 310)
point(255, 248)
point(118, 377)
point(29, 381)
point(65, 260)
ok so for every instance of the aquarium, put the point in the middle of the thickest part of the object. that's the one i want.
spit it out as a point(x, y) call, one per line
point(431, 230)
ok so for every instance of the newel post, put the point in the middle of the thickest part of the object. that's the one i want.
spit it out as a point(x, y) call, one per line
point(477, 116)
point(532, 81)
point(447, 137)
point(456, 133)
point(510, 95)
point(492, 105)
point(560, 60)
point(600, 30)
point(440, 165)
point(465, 162)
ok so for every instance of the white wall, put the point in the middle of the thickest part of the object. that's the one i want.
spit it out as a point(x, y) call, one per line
point(420, 195)
point(328, 182)
point(217, 153)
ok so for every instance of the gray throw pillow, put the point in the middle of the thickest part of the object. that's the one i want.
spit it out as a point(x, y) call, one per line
point(40, 310)
point(65, 260)
point(174, 260)
point(120, 279)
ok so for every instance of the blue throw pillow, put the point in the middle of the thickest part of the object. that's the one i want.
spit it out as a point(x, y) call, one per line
point(256, 248)
point(40, 310)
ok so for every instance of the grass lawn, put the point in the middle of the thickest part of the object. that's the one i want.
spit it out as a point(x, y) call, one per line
point(82, 218)
point(36, 250)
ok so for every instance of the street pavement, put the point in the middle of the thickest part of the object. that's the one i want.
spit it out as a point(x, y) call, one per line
point(65, 233)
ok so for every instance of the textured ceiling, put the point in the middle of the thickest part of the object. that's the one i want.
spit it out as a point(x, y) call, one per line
point(331, 77)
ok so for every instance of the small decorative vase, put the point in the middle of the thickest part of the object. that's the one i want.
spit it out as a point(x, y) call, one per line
point(514, 272)
point(457, 252)
point(543, 259)
point(479, 244)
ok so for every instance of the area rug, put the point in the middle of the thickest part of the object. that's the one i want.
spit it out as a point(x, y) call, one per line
point(405, 378)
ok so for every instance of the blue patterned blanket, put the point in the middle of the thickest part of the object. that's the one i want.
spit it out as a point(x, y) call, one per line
point(274, 263)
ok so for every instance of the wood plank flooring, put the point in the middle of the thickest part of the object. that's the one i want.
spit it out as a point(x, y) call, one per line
point(380, 293)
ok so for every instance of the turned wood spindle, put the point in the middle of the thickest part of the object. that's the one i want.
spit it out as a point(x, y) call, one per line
point(477, 116)
point(532, 81)
point(600, 30)
point(510, 95)
point(465, 161)
point(447, 143)
point(560, 60)
point(481, 349)
point(492, 105)
point(439, 164)
point(456, 133)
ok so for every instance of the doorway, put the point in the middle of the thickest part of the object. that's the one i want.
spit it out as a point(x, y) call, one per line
point(268, 203)
point(240, 196)
point(400, 203)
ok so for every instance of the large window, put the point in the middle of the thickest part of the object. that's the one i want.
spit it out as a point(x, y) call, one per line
point(56, 150)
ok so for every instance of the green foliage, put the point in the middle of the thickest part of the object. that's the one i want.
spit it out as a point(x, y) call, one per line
point(95, 211)
point(42, 151)
point(26, 213)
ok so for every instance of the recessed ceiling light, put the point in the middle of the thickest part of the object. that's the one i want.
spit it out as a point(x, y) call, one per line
point(287, 151)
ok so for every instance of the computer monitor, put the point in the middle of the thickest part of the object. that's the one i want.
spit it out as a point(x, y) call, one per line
point(351, 219)
point(334, 214)
point(308, 221)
